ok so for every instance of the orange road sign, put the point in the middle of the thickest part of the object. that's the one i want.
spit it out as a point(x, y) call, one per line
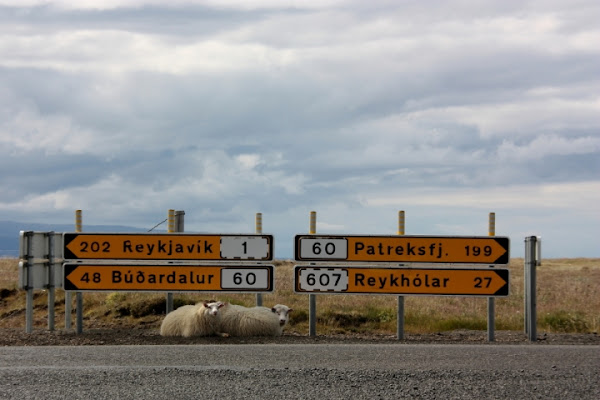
point(401, 281)
point(171, 278)
point(172, 246)
point(404, 249)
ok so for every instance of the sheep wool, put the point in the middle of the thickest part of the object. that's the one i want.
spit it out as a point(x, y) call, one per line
point(254, 321)
point(202, 319)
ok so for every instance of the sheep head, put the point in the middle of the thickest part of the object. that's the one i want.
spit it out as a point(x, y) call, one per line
point(212, 308)
point(283, 312)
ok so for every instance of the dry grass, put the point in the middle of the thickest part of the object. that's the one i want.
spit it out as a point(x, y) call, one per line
point(567, 297)
point(9, 273)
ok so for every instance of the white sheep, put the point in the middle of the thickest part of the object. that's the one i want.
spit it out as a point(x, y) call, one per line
point(202, 319)
point(283, 312)
point(254, 321)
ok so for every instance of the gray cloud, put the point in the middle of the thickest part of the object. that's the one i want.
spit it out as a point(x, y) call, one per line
point(353, 109)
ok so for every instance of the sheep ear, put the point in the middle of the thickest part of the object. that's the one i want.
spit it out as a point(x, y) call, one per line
point(221, 304)
point(273, 309)
point(205, 303)
point(290, 310)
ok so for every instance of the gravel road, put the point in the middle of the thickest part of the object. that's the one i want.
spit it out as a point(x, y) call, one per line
point(301, 371)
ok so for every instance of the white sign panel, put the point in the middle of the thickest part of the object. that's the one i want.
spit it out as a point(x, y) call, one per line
point(37, 270)
point(323, 279)
point(244, 247)
point(324, 248)
point(245, 278)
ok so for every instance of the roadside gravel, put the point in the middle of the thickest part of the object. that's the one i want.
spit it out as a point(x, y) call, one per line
point(121, 336)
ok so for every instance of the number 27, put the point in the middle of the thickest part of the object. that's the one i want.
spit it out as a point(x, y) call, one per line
point(479, 281)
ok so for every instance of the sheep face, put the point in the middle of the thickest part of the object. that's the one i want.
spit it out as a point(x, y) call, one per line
point(212, 308)
point(283, 312)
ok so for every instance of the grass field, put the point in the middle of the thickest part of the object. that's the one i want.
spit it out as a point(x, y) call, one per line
point(567, 302)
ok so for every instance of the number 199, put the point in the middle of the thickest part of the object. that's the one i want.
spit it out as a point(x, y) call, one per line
point(476, 251)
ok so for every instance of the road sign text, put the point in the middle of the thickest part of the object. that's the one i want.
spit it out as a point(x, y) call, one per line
point(175, 246)
point(170, 278)
point(372, 280)
point(403, 249)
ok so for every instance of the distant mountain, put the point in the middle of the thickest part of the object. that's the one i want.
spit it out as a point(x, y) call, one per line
point(10, 230)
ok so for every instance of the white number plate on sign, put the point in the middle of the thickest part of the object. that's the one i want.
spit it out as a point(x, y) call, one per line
point(324, 280)
point(245, 278)
point(244, 247)
point(335, 249)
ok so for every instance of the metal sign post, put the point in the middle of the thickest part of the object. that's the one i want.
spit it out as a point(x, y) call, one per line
point(400, 310)
point(79, 295)
point(51, 284)
point(532, 260)
point(171, 227)
point(258, 230)
point(312, 299)
point(491, 316)
point(29, 286)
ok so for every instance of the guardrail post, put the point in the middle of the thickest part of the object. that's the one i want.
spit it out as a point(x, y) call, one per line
point(312, 299)
point(400, 311)
point(491, 317)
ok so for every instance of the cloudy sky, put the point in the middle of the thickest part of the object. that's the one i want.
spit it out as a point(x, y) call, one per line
point(448, 110)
